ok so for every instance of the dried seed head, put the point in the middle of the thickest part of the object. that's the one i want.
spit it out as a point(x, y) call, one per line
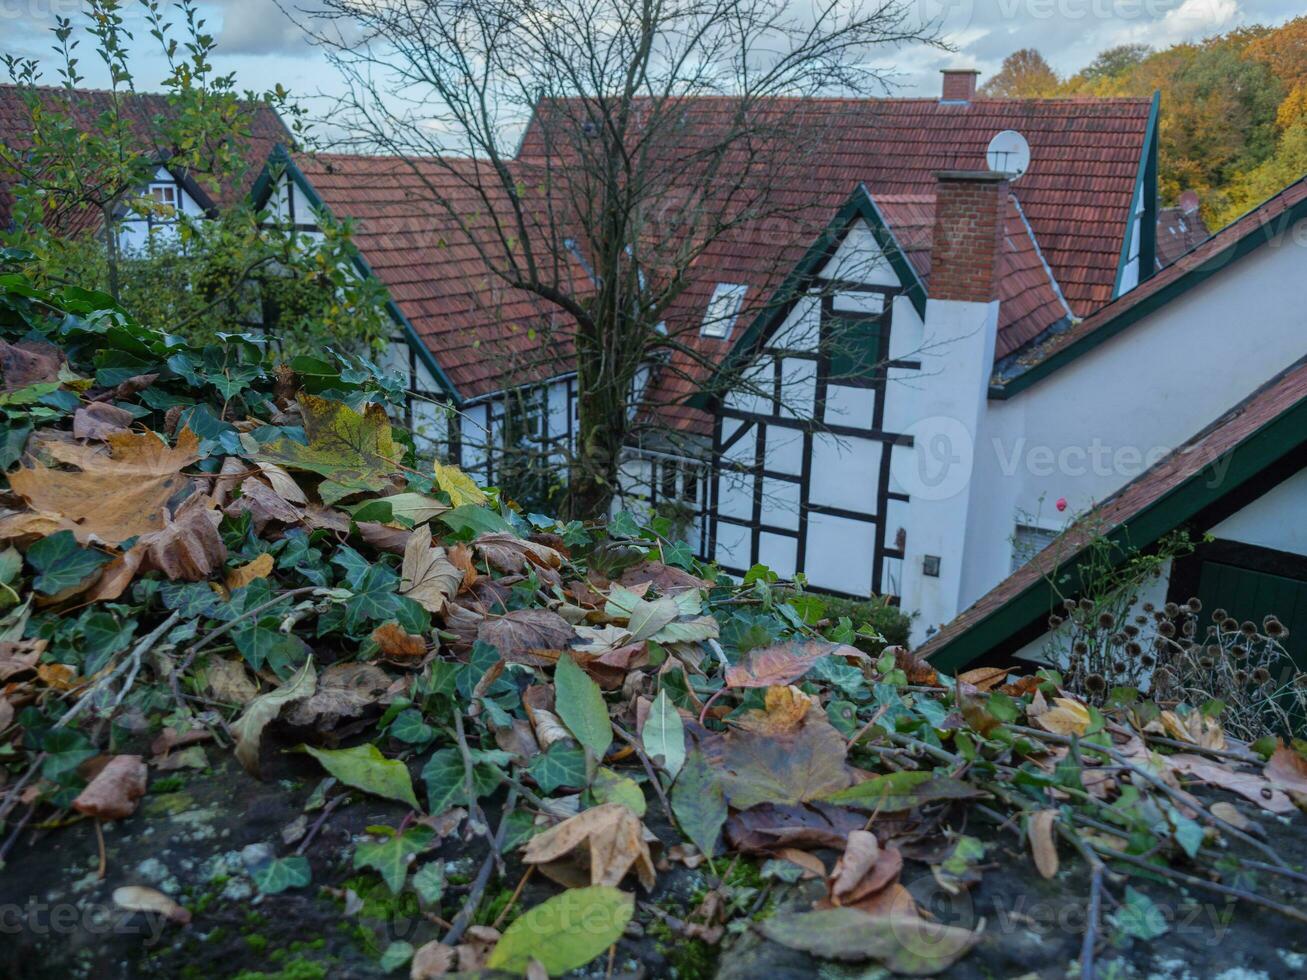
point(1080, 647)
point(1095, 683)
point(1261, 676)
point(1195, 605)
point(1220, 616)
point(1272, 626)
point(1054, 622)
point(1106, 620)
point(1133, 648)
point(1248, 628)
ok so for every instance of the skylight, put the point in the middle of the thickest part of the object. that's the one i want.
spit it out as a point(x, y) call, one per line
point(723, 308)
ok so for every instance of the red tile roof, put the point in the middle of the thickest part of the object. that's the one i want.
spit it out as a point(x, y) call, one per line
point(1178, 230)
point(1258, 225)
point(436, 259)
point(1282, 393)
point(143, 109)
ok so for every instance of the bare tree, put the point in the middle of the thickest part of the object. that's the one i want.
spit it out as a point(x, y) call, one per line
point(653, 134)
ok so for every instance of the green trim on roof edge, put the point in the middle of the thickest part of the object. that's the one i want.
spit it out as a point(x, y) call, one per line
point(1146, 153)
point(1237, 249)
point(1282, 435)
point(280, 161)
point(859, 205)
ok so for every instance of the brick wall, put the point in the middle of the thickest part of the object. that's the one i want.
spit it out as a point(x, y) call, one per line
point(968, 235)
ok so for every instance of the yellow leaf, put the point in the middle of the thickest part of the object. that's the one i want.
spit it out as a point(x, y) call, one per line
point(1043, 845)
point(1068, 717)
point(240, 577)
point(460, 487)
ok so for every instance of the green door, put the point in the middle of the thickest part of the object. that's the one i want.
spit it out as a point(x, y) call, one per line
point(1247, 594)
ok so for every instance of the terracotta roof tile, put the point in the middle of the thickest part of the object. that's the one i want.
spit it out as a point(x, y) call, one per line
point(1178, 230)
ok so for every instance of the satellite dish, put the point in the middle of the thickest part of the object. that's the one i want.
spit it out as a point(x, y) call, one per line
point(1008, 152)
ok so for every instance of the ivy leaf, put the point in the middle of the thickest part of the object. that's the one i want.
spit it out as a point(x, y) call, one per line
point(373, 599)
point(905, 790)
point(263, 645)
point(445, 777)
point(580, 704)
point(65, 750)
point(429, 882)
point(356, 452)
point(365, 768)
point(480, 520)
point(396, 955)
point(282, 873)
point(1139, 917)
point(559, 765)
point(564, 932)
point(60, 564)
point(698, 803)
point(613, 787)
point(460, 487)
point(409, 727)
point(392, 855)
point(664, 735)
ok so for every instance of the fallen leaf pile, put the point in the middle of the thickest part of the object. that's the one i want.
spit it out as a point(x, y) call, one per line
point(201, 553)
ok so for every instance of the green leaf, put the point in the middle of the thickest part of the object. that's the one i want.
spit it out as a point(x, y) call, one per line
point(698, 803)
point(65, 750)
point(374, 597)
point(262, 645)
point(60, 564)
point(613, 787)
point(565, 932)
point(580, 704)
point(445, 778)
point(481, 520)
point(365, 768)
point(409, 727)
point(282, 873)
point(429, 882)
point(664, 735)
point(902, 944)
point(1139, 917)
point(355, 452)
point(559, 765)
point(396, 955)
point(392, 855)
point(902, 791)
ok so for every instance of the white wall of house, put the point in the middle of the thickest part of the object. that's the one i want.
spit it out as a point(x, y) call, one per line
point(1276, 520)
point(167, 199)
point(1101, 420)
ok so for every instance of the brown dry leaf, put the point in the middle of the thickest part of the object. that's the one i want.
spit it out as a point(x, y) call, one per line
point(29, 362)
point(395, 642)
point(383, 537)
point(1250, 786)
point(139, 898)
point(785, 663)
point(19, 656)
point(666, 579)
point(892, 900)
point(264, 505)
point(877, 876)
point(6, 714)
point(59, 676)
point(428, 576)
point(1230, 814)
point(114, 496)
point(1287, 770)
point(614, 838)
point(984, 678)
point(918, 671)
point(433, 959)
point(118, 574)
point(282, 482)
point(787, 754)
point(112, 794)
point(188, 548)
point(242, 576)
point(1043, 843)
point(343, 691)
point(229, 682)
point(460, 556)
point(810, 863)
point(473, 951)
point(1066, 717)
point(508, 553)
point(1195, 729)
point(771, 828)
point(861, 851)
point(99, 420)
point(518, 636)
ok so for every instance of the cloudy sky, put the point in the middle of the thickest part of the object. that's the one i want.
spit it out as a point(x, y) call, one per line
point(261, 45)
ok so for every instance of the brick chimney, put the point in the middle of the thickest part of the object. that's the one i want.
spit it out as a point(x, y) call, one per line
point(970, 208)
point(959, 84)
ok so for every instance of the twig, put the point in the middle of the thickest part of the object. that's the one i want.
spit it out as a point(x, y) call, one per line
point(478, 818)
point(99, 838)
point(512, 899)
point(1228, 890)
point(703, 715)
point(1272, 869)
point(880, 713)
point(174, 680)
point(11, 797)
point(645, 761)
point(330, 805)
point(9, 843)
point(1091, 922)
point(131, 662)
point(1175, 743)
point(464, 917)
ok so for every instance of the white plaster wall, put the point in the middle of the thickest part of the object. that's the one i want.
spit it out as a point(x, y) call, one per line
point(1277, 519)
point(1101, 420)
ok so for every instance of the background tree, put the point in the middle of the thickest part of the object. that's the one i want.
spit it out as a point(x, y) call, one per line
point(624, 181)
point(1024, 75)
point(1112, 64)
point(80, 172)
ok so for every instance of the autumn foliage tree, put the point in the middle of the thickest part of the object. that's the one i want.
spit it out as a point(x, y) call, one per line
point(1024, 75)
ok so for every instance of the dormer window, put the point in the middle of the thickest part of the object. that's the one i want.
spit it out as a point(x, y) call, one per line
point(164, 194)
point(723, 308)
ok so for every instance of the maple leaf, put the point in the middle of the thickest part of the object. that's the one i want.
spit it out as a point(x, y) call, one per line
point(460, 487)
point(524, 636)
point(428, 577)
point(785, 663)
point(113, 496)
point(356, 452)
point(615, 844)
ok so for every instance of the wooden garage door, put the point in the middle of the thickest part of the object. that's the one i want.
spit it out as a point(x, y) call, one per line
point(1247, 594)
